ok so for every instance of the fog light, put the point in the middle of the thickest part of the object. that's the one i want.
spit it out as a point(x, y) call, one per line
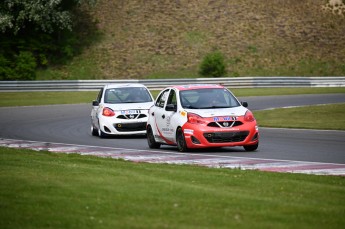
point(255, 137)
point(195, 140)
point(106, 129)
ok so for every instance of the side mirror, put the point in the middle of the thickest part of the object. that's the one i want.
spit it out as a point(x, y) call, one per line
point(171, 107)
point(95, 103)
point(245, 104)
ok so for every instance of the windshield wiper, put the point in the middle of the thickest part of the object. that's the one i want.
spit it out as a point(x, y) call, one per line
point(136, 102)
point(191, 107)
point(212, 107)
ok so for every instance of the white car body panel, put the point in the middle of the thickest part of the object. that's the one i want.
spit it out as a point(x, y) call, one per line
point(235, 111)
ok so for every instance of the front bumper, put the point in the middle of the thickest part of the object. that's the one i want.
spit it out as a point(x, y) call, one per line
point(114, 126)
point(199, 136)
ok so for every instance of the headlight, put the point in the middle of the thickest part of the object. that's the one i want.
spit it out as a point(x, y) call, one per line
point(249, 117)
point(194, 118)
point(108, 112)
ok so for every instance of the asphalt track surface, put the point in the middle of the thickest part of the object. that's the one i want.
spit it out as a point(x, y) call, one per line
point(71, 124)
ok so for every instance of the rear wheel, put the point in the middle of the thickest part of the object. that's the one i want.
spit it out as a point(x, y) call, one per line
point(181, 142)
point(251, 147)
point(151, 139)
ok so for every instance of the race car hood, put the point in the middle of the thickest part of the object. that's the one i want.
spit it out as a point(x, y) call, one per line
point(235, 111)
point(129, 106)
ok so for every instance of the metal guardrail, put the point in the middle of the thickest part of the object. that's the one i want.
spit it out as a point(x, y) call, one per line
point(238, 82)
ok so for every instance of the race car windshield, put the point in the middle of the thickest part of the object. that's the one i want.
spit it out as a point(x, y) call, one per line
point(209, 98)
point(127, 95)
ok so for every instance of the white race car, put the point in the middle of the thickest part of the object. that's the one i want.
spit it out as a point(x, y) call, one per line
point(201, 116)
point(120, 109)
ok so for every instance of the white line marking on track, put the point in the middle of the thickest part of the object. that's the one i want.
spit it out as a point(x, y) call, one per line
point(208, 160)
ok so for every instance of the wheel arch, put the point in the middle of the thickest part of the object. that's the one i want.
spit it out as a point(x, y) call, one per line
point(178, 127)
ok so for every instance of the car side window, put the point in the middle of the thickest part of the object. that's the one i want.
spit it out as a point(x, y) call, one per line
point(172, 98)
point(162, 98)
point(99, 97)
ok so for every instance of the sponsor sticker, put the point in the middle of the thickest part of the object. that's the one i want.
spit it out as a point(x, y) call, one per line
point(167, 130)
point(226, 118)
point(229, 118)
point(125, 112)
point(168, 121)
point(188, 131)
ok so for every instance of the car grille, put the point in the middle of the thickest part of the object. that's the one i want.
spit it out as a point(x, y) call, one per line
point(225, 124)
point(132, 116)
point(127, 127)
point(237, 136)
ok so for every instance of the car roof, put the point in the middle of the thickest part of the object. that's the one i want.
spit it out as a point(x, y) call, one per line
point(196, 86)
point(122, 85)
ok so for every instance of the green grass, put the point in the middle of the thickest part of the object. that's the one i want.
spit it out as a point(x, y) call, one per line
point(78, 69)
point(256, 38)
point(46, 190)
point(241, 92)
point(328, 117)
point(45, 98)
point(174, 74)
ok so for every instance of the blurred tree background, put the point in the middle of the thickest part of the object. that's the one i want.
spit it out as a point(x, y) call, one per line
point(39, 33)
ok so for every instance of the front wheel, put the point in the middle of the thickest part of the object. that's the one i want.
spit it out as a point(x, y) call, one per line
point(101, 134)
point(94, 131)
point(180, 140)
point(251, 147)
point(151, 139)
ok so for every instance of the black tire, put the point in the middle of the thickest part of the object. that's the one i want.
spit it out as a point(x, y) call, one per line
point(94, 131)
point(151, 139)
point(101, 134)
point(180, 140)
point(250, 148)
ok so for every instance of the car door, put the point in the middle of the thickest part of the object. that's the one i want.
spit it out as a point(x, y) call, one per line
point(95, 109)
point(159, 115)
point(164, 117)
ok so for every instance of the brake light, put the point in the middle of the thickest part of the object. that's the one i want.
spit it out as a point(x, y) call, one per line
point(249, 117)
point(108, 112)
point(194, 118)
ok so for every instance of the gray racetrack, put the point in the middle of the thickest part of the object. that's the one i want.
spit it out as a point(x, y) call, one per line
point(71, 124)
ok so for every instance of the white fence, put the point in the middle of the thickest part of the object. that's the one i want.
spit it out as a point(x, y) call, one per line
point(238, 82)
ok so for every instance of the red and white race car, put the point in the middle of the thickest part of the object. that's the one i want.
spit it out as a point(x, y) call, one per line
point(201, 116)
